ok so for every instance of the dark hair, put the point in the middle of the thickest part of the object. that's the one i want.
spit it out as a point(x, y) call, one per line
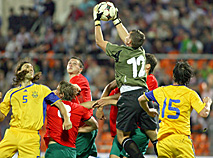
point(152, 60)
point(81, 62)
point(138, 38)
point(182, 73)
point(68, 90)
point(19, 77)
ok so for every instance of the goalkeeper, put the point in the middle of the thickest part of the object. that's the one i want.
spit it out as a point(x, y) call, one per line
point(130, 77)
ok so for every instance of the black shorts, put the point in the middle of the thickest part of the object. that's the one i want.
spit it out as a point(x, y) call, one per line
point(147, 122)
point(130, 113)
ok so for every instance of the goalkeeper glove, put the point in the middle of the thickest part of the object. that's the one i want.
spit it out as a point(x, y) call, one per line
point(97, 15)
point(115, 19)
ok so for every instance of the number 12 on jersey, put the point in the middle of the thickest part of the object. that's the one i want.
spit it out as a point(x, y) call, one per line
point(137, 62)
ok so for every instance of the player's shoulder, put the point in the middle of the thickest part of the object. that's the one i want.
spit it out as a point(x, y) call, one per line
point(189, 90)
point(151, 76)
point(73, 105)
point(13, 90)
point(78, 108)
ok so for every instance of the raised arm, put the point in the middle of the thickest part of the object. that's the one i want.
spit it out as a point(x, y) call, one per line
point(122, 31)
point(98, 32)
point(109, 87)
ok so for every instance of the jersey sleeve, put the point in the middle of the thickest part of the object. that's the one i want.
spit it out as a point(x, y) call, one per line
point(112, 50)
point(51, 98)
point(87, 114)
point(46, 90)
point(152, 95)
point(5, 104)
point(151, 82)
point(196, 102)
point(85, 94)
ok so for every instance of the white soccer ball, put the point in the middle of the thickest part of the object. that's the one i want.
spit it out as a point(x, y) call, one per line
point(108, 10)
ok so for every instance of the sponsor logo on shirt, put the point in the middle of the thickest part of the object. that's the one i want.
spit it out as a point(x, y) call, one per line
point(35, 94)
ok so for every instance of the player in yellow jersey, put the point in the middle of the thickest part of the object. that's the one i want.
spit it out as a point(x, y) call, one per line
point(175, 104)
point(28, 102)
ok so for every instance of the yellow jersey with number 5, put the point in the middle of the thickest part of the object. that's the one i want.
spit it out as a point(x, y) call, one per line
point(28, 105)
point(175, 106)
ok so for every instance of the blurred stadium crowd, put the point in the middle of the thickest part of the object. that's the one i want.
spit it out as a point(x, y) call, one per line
point(170, 26)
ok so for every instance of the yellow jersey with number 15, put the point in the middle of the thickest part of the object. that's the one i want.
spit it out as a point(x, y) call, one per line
point(175, 106)
point(28, 105)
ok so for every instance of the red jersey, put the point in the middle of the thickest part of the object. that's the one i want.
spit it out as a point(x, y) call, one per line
point(113, 114)
point(85, 94)
point(152, 84)
point(82, 82)
point(67, 138)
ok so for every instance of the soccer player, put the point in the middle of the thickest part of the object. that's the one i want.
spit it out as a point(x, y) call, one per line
point(28, 102)
point(85, 142)
point(62, 143)
point(138, 135)
point(175, 104)
point(130, 76)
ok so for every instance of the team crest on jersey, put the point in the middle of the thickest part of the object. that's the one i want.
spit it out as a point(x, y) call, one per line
point(35, 94)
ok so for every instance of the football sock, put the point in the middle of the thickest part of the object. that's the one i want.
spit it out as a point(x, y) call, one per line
point(155, 148)
point(131, 148)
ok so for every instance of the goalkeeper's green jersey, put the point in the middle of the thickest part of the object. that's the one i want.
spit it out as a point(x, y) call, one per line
point(129, 65)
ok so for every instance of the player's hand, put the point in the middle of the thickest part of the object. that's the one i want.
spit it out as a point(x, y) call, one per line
point(116, 20)
point(0, 96)
point(67, 124)
point(97, 15)
point(152, 112)
point(101, 103)
point(207, 100)
point(95, 105)
point(100, 114)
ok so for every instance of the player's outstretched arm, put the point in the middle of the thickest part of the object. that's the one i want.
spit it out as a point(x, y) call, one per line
point(122, 31)
point(67, 123)
point(92, 125)
point(88, 104)
point(98, 32)
point(143, 103)
point(206, 109)
point(103, 102)
point(109, 87)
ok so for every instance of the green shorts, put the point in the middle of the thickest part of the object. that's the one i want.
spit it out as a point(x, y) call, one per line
point(85, 144)
point(140, 138)
point(57, 150)
point(116, 147)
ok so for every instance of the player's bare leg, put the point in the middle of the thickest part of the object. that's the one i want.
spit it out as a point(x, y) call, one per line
point(152, 134)
point(128, 144)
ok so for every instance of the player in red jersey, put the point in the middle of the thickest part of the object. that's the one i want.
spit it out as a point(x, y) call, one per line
point(85, 142)
point(112, 89)
point(62, 143)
